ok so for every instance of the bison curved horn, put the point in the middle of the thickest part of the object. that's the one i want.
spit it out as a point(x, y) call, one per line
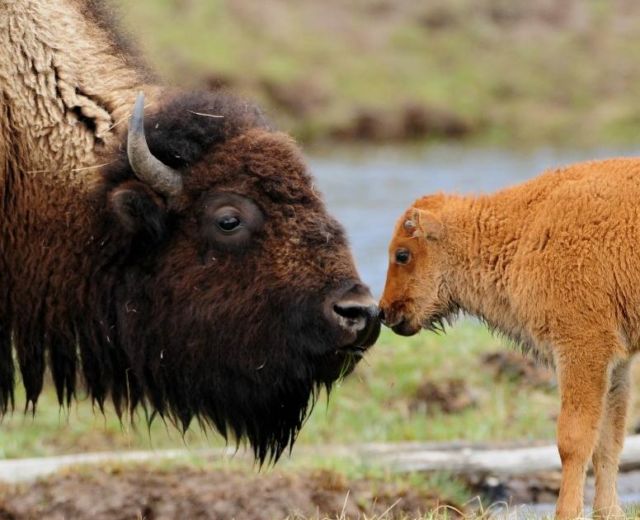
point(149, 169)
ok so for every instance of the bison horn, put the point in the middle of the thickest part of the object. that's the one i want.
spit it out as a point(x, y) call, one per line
point(149, 169)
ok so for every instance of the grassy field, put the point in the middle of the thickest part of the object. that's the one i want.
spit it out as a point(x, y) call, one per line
point(381, 401)
point(494, 70)
point(425, 388)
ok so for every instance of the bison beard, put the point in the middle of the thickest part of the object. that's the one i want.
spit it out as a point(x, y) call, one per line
point(263, 398)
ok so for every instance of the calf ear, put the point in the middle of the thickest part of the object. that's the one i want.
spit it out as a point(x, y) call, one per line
point(138, 209)
point(427, 224)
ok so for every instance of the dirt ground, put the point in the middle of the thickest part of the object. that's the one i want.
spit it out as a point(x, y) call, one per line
point(140, 492)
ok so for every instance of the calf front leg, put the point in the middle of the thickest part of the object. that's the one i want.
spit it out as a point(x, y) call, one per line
point(607, 452)
point(583, 376)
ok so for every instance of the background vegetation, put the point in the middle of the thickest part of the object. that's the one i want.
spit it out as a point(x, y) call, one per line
point(491, 70)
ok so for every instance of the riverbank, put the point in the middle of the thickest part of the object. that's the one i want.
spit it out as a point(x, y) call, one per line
point(464, 385)
point(152, 492)
point(215, 484)
point(491, 71)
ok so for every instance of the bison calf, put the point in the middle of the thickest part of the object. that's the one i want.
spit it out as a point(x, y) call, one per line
point(553, 264)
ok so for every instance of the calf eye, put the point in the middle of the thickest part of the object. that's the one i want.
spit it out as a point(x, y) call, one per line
point(228, 223)
point(403, 256)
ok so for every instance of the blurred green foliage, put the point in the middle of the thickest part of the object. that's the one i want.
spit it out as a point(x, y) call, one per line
point(497, 70)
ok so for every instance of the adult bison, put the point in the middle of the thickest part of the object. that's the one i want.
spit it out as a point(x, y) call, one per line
point(552, 264)
point(198, 276)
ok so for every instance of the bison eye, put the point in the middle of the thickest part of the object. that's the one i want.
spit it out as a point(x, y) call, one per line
point(403, 256)
point(229, 223)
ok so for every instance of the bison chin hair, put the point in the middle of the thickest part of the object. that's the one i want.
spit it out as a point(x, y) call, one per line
point(253, 380)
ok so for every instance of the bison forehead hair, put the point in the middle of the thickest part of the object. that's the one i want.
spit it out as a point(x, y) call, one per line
point(178, 320)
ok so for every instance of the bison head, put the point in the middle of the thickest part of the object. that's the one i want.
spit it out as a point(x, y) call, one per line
point(225, 290)
point(416, 294)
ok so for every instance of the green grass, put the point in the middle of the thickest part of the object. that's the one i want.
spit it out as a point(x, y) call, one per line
point(370, 405)
point(373, 404)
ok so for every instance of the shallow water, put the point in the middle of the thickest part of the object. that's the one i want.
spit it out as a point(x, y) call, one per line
point(368, 189)
point(628, 486)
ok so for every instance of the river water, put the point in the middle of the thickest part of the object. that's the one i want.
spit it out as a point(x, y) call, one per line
point(367, 189)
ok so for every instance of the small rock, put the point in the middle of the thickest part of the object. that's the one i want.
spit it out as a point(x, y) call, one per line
point(450, 396)
point(513, 365)
point(299, 98)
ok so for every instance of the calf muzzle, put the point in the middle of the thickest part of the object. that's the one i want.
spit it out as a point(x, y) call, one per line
point(393, 318)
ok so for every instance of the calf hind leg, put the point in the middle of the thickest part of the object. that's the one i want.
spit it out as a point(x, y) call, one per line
point(607, 452)
point(583, 375)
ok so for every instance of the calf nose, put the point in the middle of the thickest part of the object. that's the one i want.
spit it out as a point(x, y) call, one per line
point(389, 315)
point(356, 313)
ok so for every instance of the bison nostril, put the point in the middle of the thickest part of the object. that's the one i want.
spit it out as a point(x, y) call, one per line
point(355, 315)
point(351, 312)
point(391, 318)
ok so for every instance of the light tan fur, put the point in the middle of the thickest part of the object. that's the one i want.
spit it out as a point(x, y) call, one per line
point(57, 66)
point(553, 263)
point(66, 92)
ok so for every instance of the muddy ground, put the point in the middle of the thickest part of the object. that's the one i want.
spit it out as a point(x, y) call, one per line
point(153, 494)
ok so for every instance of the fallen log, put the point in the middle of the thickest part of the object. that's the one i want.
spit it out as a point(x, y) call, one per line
point(482, 460)
point(455, 457)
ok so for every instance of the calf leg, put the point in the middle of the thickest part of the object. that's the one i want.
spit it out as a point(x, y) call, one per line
point(609, 446)
point(584, 380)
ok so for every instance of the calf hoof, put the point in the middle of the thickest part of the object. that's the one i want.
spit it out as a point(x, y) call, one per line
point(609, 513)
point(568, 514)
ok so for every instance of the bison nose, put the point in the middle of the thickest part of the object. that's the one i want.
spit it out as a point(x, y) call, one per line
point(356, 313)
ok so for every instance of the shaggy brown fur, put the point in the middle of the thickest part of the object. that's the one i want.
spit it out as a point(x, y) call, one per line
point(149, 298)
point(553, 264)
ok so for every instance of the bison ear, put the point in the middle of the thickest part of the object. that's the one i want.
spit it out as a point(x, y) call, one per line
point(427, 224)
point(138, 209)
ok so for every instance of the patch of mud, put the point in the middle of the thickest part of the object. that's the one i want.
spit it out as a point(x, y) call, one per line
point(514, 366)
point(138, 492)
point(299, 98)
point(539, 488)
point(410, 121)
point(449, 396)
point(218, 80)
